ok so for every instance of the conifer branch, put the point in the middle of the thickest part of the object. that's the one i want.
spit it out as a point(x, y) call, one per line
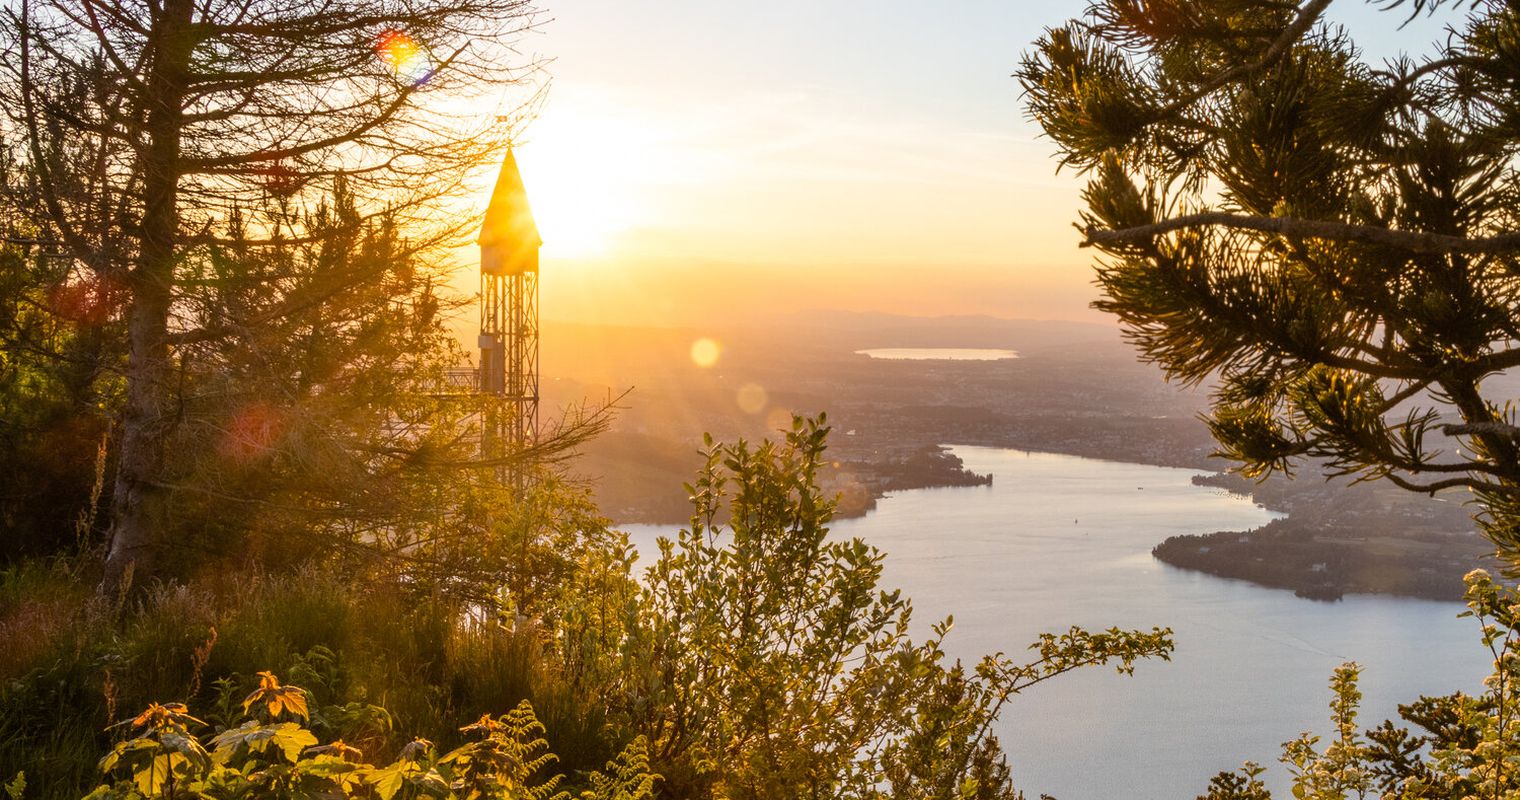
point(1489, 428)
point(1307, 16)
point(1450, 483)
point(1413, 241)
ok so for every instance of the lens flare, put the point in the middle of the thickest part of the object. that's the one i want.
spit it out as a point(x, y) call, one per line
point(86, 300)
point(752, 398)
point(405, 58)
point(705, 352)
point(253, 432)
point(279, 179)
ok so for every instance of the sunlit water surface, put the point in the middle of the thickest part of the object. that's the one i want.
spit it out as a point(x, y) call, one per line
point(1058, 541)
point(938, 354)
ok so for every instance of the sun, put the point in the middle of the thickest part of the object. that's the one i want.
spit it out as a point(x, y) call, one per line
point(587, 180)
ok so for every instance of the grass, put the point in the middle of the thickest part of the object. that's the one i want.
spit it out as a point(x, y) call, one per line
point(74, 664)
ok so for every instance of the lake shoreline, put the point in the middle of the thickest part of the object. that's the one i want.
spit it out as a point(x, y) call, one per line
point(1060, 540)
point(1296, 553)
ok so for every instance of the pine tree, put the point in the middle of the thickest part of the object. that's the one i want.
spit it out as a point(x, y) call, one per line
point(154, 143)
point(1330, 243)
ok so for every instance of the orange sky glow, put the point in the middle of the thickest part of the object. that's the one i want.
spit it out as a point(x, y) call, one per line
point(697, 161)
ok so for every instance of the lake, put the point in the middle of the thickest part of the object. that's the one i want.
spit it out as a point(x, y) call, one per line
point(1059, 540)
point(938, 354)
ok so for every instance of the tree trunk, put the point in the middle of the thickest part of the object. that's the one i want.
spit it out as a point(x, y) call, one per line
point(139, 503)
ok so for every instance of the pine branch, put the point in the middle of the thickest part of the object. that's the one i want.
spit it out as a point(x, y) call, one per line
point(1450, 483)
point(1413, 241)
point(1490, 428)
point(1307, 16)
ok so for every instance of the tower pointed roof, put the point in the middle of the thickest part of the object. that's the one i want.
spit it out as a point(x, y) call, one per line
point(509, 218)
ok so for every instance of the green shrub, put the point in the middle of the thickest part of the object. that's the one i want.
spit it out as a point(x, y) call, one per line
point(756, 659)
point(272, 752)
point(769, 662)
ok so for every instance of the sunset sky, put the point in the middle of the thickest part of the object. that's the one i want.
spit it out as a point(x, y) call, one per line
point(698, 160)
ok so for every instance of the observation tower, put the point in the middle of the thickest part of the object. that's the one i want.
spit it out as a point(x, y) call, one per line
point(508, 342)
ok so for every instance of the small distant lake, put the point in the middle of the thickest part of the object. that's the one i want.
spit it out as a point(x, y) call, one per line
point(938, 354)
point(1059, 540)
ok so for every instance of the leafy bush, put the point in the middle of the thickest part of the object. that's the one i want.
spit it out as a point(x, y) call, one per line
point(757, 658)
point(272, 753)
point(769, 662)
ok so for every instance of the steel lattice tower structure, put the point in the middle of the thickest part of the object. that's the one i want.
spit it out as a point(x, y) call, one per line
point(509, 243)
